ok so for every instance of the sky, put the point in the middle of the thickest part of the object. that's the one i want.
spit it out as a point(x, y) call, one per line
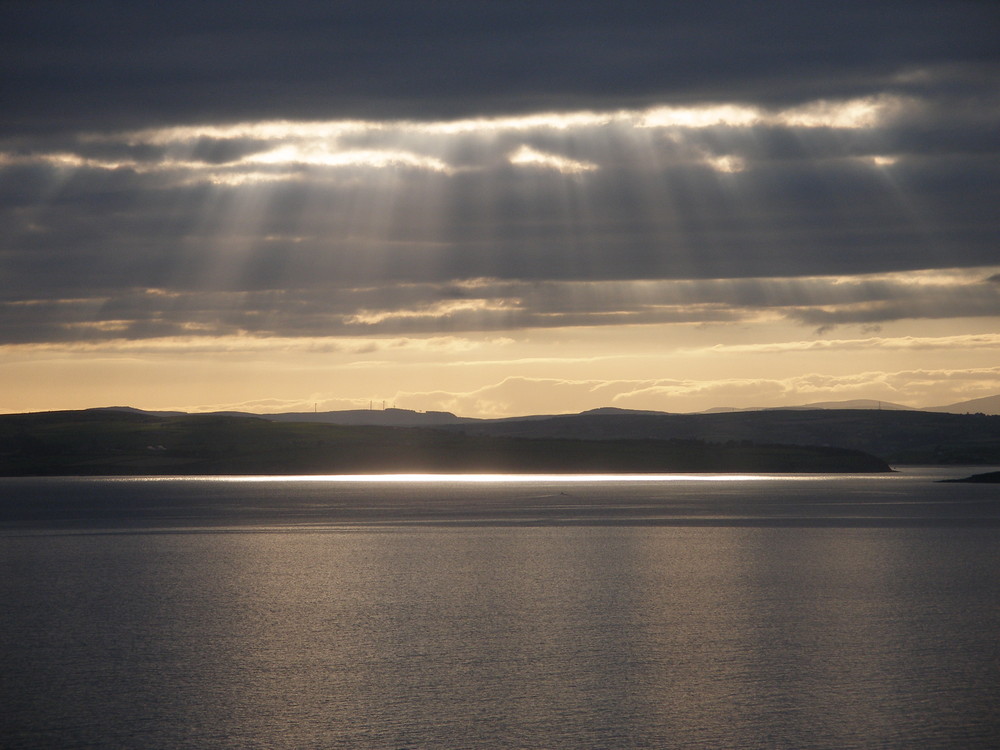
point(498, 208)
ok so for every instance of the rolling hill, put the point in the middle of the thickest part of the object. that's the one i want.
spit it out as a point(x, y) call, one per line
point(109, 442)
point(898, 437)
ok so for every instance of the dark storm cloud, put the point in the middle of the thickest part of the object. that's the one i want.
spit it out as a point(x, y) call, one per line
point(111, 64)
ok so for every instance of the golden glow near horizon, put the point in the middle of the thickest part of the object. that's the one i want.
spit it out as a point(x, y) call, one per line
point(470, 375)
point(242, 331)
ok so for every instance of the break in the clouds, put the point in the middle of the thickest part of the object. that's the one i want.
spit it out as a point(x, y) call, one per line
point(668, 214)
point(236, 172)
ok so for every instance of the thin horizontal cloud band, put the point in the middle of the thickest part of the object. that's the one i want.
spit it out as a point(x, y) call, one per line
point(490, 304)
point(275, 150)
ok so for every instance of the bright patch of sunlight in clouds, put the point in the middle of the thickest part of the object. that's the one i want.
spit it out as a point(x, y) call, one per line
point(321, 155)
point(439, 310)
point(853, 114)
point(429, 145)
point(729, 115)
point(237, 179)
point(526, 156)
point(863, 112)
point(848, 114)
point(728, 163)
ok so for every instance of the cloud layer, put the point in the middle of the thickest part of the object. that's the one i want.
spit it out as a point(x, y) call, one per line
point(236, 176)
point(668, 214)
point(109, 63)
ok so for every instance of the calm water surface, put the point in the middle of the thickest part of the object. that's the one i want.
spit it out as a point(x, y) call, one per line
point(763, 612)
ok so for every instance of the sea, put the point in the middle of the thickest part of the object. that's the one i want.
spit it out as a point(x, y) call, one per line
point(648, 611)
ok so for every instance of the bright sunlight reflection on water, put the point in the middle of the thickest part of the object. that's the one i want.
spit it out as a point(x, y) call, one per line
point(500, 478)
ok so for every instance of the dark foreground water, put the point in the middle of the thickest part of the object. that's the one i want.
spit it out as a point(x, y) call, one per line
point(831, 612)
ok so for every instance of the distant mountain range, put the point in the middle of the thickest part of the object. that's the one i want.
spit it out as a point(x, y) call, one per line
point(964, 433)
point(859, 403)
point(394, 417)
point(987, 405)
